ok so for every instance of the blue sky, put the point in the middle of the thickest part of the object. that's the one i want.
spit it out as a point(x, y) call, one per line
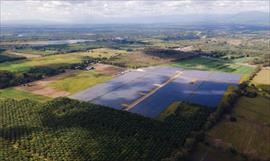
point(77, 10)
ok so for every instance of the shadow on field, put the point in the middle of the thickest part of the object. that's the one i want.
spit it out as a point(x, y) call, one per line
point(16, 132)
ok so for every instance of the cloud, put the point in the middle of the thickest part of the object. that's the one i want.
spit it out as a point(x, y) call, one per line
point(75, 10)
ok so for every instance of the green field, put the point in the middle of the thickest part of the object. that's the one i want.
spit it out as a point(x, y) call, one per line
point(19, 94)
point(36, 52)
point(79, 81)
point(56, 60)
point(250, 134)
point(201, 63)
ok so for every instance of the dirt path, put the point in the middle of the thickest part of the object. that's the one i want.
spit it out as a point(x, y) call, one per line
point(41, 87)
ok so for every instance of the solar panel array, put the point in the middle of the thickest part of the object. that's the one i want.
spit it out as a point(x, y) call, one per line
point(200, 87)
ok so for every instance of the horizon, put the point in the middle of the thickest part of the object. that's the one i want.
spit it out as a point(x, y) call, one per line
point(125, 12)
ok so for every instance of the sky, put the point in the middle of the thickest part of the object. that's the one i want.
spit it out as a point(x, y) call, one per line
point(71, 11)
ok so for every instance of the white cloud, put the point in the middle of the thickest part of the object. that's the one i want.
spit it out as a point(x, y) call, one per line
point(72, 10)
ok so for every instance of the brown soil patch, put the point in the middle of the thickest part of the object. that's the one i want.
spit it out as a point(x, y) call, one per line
point(41, 87)
point(27, 55)
point(108, 69)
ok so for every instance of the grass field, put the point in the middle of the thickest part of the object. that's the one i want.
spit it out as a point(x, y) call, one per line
point(262, 79)
point(168, 111)
point(78, 81)
point(250, 134)
point(55, 60)
point(36, 52)
point(208, 153)
point(201, 63)
point(18, 94)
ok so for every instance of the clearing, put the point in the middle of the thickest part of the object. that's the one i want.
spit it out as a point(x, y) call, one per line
point(41, 87)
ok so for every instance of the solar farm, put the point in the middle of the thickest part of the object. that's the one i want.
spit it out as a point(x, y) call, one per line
point(149, 91)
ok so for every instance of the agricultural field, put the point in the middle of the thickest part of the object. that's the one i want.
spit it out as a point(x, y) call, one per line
point(65, 129)
point(202, 63)
point(70, 82)
point(36, 52)
point(79, 81)
point(250, 133)
point(56, 60)
point(5, 57)
point(13, 93)
point(122, 92)
point(262, 80)
point(203, 152)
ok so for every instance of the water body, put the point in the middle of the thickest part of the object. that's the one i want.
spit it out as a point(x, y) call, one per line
point(48, 42)
point(57, 42)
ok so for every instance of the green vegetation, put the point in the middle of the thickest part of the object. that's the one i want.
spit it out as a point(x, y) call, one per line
point(52, 61)
point(57, 60)
point(5, 57)
point(169, 111)
point(249, 134)
point(201, 63)
point(36, 51)
point(203, 152)
point(65, 129)
point(19, 95)
point(79, 81)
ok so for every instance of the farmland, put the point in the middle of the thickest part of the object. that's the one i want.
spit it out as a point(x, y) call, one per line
point(202, 63)
point(250, 133)
point(55, 60)
point(262, 80)
point(68, 129)
point(134, 93)
point(83, 79)
point(13, 93)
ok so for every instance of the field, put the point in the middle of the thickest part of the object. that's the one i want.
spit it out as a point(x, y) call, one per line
point(202, 63)
point(78, 81)
point(36, 52)
point(69, 82)
point(65, 129)
point(262, 80)
point(55, 60)
point(208, 153)
point(140, 90)
point(13, 93)
point(250, 133)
